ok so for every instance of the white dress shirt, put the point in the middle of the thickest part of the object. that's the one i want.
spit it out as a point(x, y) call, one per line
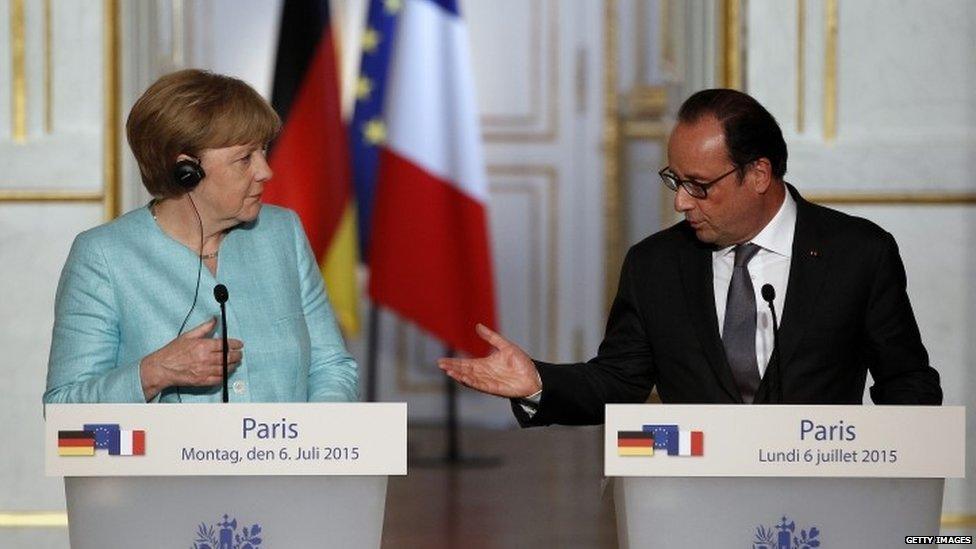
point(771, 265)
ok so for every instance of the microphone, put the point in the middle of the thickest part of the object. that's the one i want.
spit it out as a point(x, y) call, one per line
point(221, 295)
point(769, 294)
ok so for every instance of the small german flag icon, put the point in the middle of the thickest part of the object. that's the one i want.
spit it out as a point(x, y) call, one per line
point(76, 443)
point(635, 443)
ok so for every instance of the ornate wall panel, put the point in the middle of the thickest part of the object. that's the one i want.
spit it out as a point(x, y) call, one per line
point(522, 106)
point(59, 148)
point(857, 96)
point(53, 121)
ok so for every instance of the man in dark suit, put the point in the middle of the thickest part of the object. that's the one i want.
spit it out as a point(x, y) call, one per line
point(690, 315)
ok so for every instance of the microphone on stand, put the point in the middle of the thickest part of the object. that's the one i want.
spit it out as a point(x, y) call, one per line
point(221, 295)
point(769, 294)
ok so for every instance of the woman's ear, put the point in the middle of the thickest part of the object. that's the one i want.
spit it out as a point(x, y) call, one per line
point(183, 156)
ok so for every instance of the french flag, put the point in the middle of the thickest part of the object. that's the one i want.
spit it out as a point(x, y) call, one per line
point(691, 443)
point(430, 258)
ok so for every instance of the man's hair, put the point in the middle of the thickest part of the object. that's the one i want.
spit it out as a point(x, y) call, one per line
point(750, 131)
point(188, 111)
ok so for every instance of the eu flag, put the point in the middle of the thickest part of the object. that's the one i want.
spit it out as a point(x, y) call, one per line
point(106, 436)
point(367, 129)
point(665, 437)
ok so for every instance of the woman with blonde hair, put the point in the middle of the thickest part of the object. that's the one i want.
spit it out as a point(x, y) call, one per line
point(135, 316)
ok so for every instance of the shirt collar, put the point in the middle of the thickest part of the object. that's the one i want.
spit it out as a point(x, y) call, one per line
point(777, 235)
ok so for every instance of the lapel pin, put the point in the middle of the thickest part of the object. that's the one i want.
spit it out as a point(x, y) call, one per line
point(814, 253)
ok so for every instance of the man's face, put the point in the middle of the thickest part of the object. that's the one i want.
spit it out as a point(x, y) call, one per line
point(731, 211)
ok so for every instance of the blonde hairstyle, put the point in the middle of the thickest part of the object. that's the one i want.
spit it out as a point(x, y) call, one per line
point(188, 111)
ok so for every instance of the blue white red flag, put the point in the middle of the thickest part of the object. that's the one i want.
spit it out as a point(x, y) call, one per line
point(429, 256)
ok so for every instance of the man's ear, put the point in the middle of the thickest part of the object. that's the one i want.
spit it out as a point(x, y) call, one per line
point(760, 175)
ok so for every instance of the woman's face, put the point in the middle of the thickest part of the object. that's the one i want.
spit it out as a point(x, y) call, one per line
point(231, 191)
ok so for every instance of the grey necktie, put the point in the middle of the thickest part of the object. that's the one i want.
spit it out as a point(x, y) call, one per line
point(739, 328)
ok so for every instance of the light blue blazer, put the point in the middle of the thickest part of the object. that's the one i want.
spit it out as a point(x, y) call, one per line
point(126, 287)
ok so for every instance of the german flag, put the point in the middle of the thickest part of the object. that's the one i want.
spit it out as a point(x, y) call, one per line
point(635, 443)
point(76, 443)
point(310, 158)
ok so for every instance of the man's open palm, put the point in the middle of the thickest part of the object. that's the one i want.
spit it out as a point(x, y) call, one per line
point(507, 371)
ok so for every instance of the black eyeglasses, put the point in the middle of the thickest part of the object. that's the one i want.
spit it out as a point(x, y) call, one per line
point(694, 188)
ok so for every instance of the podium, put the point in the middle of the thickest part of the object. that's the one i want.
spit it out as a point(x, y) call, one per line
point(235, 476)
point(780, 477)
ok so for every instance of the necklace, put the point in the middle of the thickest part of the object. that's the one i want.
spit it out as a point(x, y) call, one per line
point(152, 210)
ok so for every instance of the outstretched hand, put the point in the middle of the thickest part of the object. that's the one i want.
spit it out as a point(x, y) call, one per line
point(506, 372)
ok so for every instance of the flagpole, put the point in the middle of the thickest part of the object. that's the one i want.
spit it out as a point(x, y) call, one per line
point(372, 353)
point(452, 434)
point(453, 454)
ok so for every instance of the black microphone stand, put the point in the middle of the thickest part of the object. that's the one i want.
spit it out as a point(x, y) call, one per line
point(769, 294)
point(220, 294)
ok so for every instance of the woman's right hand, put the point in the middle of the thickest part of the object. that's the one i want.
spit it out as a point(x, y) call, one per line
point(191, 360)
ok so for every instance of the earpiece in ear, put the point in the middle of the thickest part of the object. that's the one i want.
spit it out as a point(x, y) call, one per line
point(188, 173)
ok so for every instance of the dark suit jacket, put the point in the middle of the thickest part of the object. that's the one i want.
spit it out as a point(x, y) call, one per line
point(846, 312)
